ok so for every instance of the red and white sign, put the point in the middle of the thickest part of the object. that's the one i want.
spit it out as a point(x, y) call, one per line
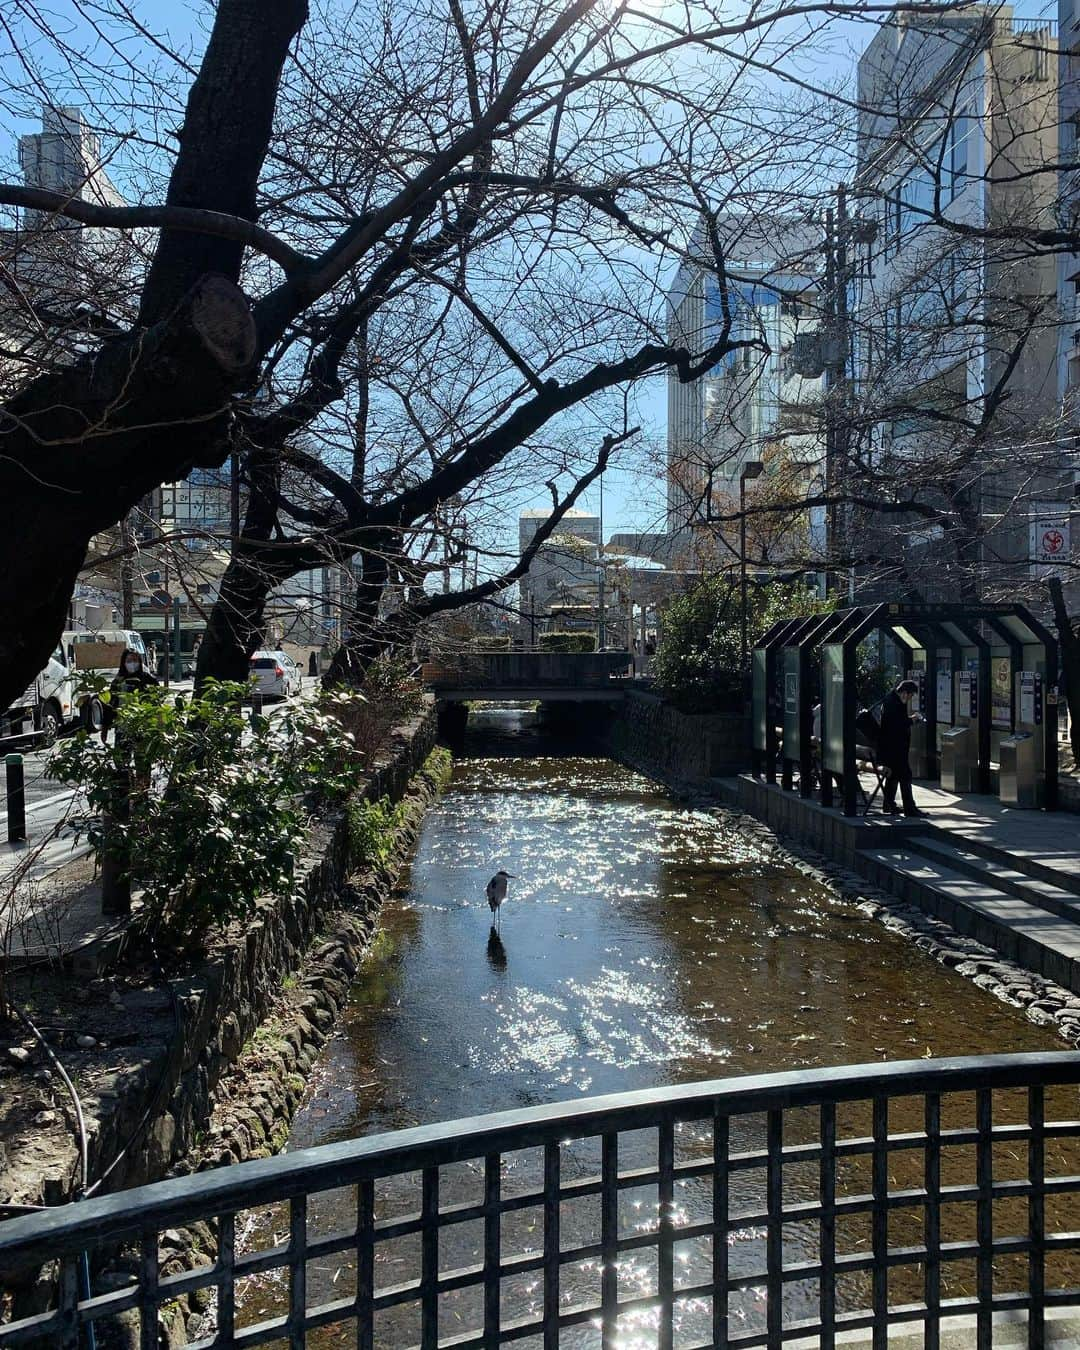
point(1050, 540)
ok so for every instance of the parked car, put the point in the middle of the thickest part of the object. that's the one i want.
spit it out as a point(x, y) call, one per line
point(276, 674)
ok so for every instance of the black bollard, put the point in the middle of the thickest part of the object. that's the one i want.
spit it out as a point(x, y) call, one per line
point(256, 703)
point(115, 863)
point(16, 800)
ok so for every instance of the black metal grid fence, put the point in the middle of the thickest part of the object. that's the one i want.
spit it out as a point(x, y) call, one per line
point(743, 1212)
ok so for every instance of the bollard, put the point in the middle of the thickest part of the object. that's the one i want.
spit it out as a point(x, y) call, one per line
point(256, 703)
point(16, 800)
point(115, 863)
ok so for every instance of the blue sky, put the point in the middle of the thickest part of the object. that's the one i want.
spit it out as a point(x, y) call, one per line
point(633, 488)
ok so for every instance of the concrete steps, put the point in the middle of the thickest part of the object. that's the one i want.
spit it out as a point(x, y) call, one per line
point(1006, 871)
point(1023, 917)
point(1016, 858)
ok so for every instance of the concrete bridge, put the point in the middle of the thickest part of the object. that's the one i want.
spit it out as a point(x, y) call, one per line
point(527, 677)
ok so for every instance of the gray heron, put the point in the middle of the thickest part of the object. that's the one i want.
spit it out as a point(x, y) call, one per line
point(496, 891)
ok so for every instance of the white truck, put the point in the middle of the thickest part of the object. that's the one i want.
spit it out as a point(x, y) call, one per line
point(53, 702)
point(46, 707)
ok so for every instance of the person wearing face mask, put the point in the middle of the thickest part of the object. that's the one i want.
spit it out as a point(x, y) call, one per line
point(131, 676)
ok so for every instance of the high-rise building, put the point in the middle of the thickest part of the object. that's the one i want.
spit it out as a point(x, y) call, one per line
point(750, 403)
point(959, 117)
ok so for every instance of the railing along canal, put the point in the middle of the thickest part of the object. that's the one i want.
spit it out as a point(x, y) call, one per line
point(758, 1188)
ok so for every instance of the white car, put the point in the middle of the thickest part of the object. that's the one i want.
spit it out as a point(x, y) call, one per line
point(275, 674)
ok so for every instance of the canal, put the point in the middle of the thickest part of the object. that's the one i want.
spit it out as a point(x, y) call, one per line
point(644, 942)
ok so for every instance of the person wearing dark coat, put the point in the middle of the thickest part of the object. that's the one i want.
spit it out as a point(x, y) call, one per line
point(894, 748)
point(131, 676)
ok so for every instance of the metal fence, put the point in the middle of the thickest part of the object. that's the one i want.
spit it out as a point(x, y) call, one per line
point(745, 1212)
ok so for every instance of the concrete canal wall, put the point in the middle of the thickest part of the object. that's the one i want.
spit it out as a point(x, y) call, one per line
point(680, 749)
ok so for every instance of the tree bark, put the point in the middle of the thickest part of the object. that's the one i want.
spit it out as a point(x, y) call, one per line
point(351, 660)
point(83, 445)
point(225, 136)
point(238, 618)
point(1069, 648)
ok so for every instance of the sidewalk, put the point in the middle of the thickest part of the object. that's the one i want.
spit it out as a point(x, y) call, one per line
point(1048, 839)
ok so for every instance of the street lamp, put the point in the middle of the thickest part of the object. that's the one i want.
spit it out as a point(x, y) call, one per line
point(752, 468)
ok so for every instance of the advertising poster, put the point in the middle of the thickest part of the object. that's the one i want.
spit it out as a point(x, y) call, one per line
point(944, 698)
point(1001, 692)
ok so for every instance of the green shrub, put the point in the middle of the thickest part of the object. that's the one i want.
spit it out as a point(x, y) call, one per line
point(372, 826)
point(490, 643)
point(698, 666)
point(567, 642)
point(215, 799)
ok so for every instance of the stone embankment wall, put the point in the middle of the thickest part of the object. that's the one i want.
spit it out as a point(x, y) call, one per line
point(681, 749)
point(223, 1004)
point(159, 1111)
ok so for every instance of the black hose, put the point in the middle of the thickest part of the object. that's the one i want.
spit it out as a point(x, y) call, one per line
point(84, 1157)
point(80, 1119)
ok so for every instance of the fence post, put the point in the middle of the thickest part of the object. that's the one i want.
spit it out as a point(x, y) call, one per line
point(115, 862)
point(16, 800)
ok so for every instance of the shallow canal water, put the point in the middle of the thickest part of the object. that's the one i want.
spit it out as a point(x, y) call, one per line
point(645, 942)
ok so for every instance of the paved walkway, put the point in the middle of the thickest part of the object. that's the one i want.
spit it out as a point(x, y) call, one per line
point(1050, 838)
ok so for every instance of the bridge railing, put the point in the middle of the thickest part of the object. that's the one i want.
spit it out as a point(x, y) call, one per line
point(510, 670)
point(748, 1211)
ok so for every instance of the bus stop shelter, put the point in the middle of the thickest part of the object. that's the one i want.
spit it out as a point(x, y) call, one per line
point(800, 663)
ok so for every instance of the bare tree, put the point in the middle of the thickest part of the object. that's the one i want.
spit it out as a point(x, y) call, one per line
point(538, 166)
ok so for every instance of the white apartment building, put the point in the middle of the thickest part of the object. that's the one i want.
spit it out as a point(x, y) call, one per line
point(964, 116)
point(567, 562)
point(751, 403)
point(65, 156)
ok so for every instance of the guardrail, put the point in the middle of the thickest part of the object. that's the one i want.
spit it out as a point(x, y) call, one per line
point(743, 1212)
point(509, 670)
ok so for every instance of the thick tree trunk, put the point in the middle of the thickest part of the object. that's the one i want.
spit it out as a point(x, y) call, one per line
point(354, 656)
point(226, 132)
point(236, 624)
point(237, 620)
point(1069, 646)
point(84, 445)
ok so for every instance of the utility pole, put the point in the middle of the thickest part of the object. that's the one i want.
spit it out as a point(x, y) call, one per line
point(601, 629)
point(837, 337)
point(127, 571)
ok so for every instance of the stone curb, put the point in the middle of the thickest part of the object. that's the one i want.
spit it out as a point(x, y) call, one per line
point(1044, 1002)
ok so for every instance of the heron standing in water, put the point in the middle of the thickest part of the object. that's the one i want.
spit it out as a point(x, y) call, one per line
point(496, 892)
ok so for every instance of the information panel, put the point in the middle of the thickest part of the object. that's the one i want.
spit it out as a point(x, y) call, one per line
point(792, 741)
point(967, 696)
point(944, 698)
point(832, 684)
point(1030, 698)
